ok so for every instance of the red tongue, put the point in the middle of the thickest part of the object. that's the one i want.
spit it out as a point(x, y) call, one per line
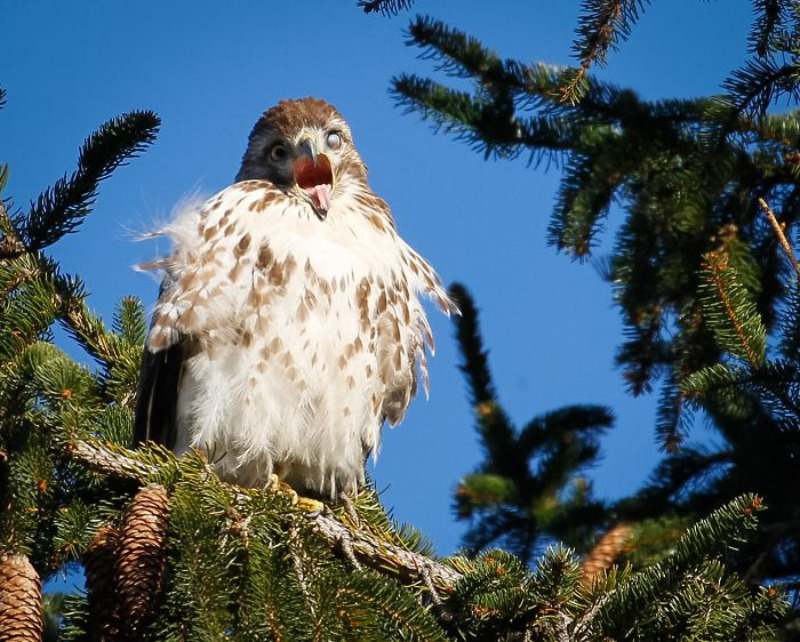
point(308, 174)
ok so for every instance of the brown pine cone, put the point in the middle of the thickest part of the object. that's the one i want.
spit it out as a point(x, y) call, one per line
point(605, 552)
point(20, 600)
point(99, 562)
point(141, 555)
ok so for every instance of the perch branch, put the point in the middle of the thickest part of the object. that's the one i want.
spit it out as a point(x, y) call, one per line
point(385, 557)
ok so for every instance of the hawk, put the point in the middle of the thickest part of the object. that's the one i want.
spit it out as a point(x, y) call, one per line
point(289, 326)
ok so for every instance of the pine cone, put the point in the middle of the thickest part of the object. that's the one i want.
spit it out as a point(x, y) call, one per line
point(605, 552)
point(142, 555)
point(99, 561)
point(20, 600)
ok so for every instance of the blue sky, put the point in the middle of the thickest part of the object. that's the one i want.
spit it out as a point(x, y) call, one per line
point(209, 69)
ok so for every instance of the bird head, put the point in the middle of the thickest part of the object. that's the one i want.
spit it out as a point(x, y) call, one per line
point(304, 146)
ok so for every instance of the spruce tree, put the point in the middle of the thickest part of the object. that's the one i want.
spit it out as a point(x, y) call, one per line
point(702, 276)
point(171, 552)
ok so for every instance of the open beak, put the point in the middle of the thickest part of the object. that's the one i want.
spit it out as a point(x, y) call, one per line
point(313, 174)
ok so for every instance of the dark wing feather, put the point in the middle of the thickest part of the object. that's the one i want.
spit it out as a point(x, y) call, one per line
point(156, 405)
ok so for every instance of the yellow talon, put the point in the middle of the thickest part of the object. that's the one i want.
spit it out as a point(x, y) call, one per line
point(310, 505)
point(306, 504)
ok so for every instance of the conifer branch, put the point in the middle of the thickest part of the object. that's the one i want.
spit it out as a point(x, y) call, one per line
point(716, 265)
point(601, 25)
point(386, 7)
point(109, 459)
point(771, 15)
point(523, 469)
point(475, 364)
point(724, 528)
point(753, 87)
point(62, 208)
point(87, 327)
point(385, 557)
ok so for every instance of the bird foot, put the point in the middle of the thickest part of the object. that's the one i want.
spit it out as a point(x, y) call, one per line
point(306, 504)
point(311, 506)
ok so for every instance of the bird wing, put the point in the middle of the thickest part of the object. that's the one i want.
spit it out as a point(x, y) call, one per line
point(156, 405)
point(202, 289)
point(401, 326)
point(159, 380)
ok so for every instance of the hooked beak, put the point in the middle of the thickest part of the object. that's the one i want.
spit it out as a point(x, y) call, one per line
point(313, 174)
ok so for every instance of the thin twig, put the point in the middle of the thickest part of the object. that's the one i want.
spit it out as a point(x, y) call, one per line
point(585, 621)
point(779, 227)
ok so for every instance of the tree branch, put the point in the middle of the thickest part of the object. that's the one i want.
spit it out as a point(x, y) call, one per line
point(385, 557)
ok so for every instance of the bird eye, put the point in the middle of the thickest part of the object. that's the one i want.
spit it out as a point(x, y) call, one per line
point(334, 140)
point(278, 152)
